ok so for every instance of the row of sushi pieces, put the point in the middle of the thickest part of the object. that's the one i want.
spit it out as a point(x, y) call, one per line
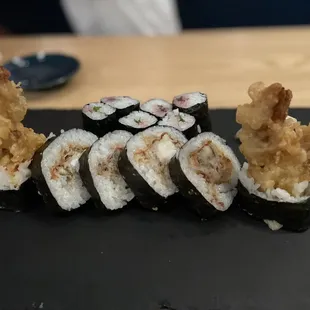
point(188, 113)
point(159, 164)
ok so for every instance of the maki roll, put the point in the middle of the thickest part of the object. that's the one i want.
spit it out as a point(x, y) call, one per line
point(100, 174)
point(123, 104)
point(144, 165)
point(137, 121)
point(55, 170)
point(206, 172)
point(98, 118)
point(274, 181)
point(195, 104)
point(157, 107)
point(17, 147)
point(181, 121)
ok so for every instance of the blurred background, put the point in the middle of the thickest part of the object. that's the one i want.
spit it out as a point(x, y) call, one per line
point(145, 17)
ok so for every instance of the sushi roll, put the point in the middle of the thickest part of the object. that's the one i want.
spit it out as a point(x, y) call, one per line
point(123, 104)
point(274, 182)
point(195, 104)
point(18, 145)
point(55, 170)
point(17, 191)
point(181, 121)
point(98, 118)
point(136, 121)
point(157, 107)
point(144, 165)
point(100, 174)
point(206, 172)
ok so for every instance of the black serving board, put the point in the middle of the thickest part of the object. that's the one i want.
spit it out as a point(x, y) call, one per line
point(142, 260)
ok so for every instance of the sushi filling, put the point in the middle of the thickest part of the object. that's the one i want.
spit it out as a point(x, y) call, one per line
point(157, 107)
point(60, 168)
point(119, 102)
point(150, 152)
point(178, 120)
point(188, 100)
point(102, 159)
point(211, 166)
point(138, 119)
point(13, 180)
point(97, 110)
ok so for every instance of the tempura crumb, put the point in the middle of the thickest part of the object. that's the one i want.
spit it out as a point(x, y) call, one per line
point(17, 143)
point(276, 147)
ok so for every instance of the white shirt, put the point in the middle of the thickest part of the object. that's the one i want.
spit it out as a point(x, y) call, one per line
point(122, 17)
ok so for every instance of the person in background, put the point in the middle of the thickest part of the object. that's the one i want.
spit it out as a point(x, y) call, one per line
point(119, 17)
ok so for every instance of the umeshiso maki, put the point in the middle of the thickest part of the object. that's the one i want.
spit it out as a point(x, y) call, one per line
point(274, 182)
point(195, 104)
point(18, 145)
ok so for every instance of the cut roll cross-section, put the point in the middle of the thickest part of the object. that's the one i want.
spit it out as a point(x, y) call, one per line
point(100, 173)
point(55, 169)
point(206, 172)
point(144, 164)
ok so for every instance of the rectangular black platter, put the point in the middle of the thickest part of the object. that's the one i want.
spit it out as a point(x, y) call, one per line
point(139, 260)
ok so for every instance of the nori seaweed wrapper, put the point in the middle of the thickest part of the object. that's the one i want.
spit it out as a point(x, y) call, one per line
point(25, 198)
point(99, 127)
point(88, 180)
point(293, 216)
point(145, 194)
point(191, 132)
point(39, 180)
point(195, 200)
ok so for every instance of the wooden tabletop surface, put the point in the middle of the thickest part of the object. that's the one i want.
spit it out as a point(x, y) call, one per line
point(222, 63)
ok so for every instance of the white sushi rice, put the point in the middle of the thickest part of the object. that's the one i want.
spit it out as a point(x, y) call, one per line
point(119, 102)
point(219, 195)
point(67, 187)
point(111, 187)
point(97, 110)
point(188, 100)
point(156, 106)
point(138, 119)
point(301, 190)
point(14, 181)
point(153, 166)
point(178, 120)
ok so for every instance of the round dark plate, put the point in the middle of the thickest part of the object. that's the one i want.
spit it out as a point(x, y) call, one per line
point(42, 71)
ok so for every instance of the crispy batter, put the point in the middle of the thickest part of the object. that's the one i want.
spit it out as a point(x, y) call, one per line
point(17, 143)
point(276, 147)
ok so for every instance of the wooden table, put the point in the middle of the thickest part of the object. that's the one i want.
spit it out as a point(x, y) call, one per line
point(222, 63)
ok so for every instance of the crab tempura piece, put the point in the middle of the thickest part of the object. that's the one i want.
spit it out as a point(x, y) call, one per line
point(17, 143)
point(275, 146)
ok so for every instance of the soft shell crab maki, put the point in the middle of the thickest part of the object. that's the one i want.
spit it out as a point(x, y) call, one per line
point(144, 165)
point(17, 147)
point(274, 182)
point(55, 170)
point(100, 173)
point(206, 172)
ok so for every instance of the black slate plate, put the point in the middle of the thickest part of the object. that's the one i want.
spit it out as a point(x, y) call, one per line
point(139, 260)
